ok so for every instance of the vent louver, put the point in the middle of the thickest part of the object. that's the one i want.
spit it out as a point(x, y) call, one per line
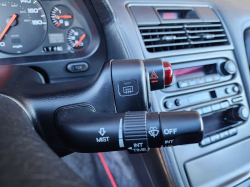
point(183, 36)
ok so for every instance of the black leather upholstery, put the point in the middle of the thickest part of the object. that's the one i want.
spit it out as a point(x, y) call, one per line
point(25, 159)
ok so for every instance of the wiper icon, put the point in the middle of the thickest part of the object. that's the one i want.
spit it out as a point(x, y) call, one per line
point(153, 131)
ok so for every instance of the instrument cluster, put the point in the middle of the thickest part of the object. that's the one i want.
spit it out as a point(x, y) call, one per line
point(42, 28)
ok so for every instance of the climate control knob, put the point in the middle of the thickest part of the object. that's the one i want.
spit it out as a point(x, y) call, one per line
point(228, 68)
point(240, 113)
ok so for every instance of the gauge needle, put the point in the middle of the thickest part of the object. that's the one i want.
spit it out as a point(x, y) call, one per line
point(8, 26)
point(64, 16)
point(58, 24)
point(81, 39)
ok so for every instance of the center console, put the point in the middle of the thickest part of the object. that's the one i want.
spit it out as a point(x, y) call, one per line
point(202, 85)
point(220, 99)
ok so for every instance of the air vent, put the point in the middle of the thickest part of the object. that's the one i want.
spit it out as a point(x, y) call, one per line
point(183, 36)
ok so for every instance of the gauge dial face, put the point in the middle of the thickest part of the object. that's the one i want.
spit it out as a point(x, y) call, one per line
point(61, 16)
point(77, 38)
point(23, 26)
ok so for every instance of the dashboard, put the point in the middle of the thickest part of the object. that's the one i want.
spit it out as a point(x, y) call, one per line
point(206, 44)
point(46, 34)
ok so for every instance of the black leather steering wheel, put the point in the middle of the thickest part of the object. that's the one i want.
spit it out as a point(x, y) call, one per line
point(25, 159)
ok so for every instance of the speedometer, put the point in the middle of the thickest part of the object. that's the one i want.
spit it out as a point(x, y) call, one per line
point(23, 26)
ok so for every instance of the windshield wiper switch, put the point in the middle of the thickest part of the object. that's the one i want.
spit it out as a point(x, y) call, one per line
point(136, 132)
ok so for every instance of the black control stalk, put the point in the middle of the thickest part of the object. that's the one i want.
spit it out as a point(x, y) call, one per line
point(137, 132)
point(82, 128)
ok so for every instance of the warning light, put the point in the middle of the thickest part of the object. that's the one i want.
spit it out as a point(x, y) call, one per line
point(154, 77)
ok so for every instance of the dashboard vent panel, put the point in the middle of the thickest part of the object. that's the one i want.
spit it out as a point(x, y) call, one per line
point(170, 37)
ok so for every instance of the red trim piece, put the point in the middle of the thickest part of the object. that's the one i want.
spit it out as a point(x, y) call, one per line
point(105, 165)
point(168, 73)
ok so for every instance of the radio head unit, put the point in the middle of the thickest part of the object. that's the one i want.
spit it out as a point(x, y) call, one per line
point(213, 88)
point(201, 73)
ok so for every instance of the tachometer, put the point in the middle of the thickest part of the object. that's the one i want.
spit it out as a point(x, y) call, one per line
point(23, 26)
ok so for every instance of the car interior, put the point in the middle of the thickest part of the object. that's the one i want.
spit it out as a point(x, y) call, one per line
point(127, 93)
